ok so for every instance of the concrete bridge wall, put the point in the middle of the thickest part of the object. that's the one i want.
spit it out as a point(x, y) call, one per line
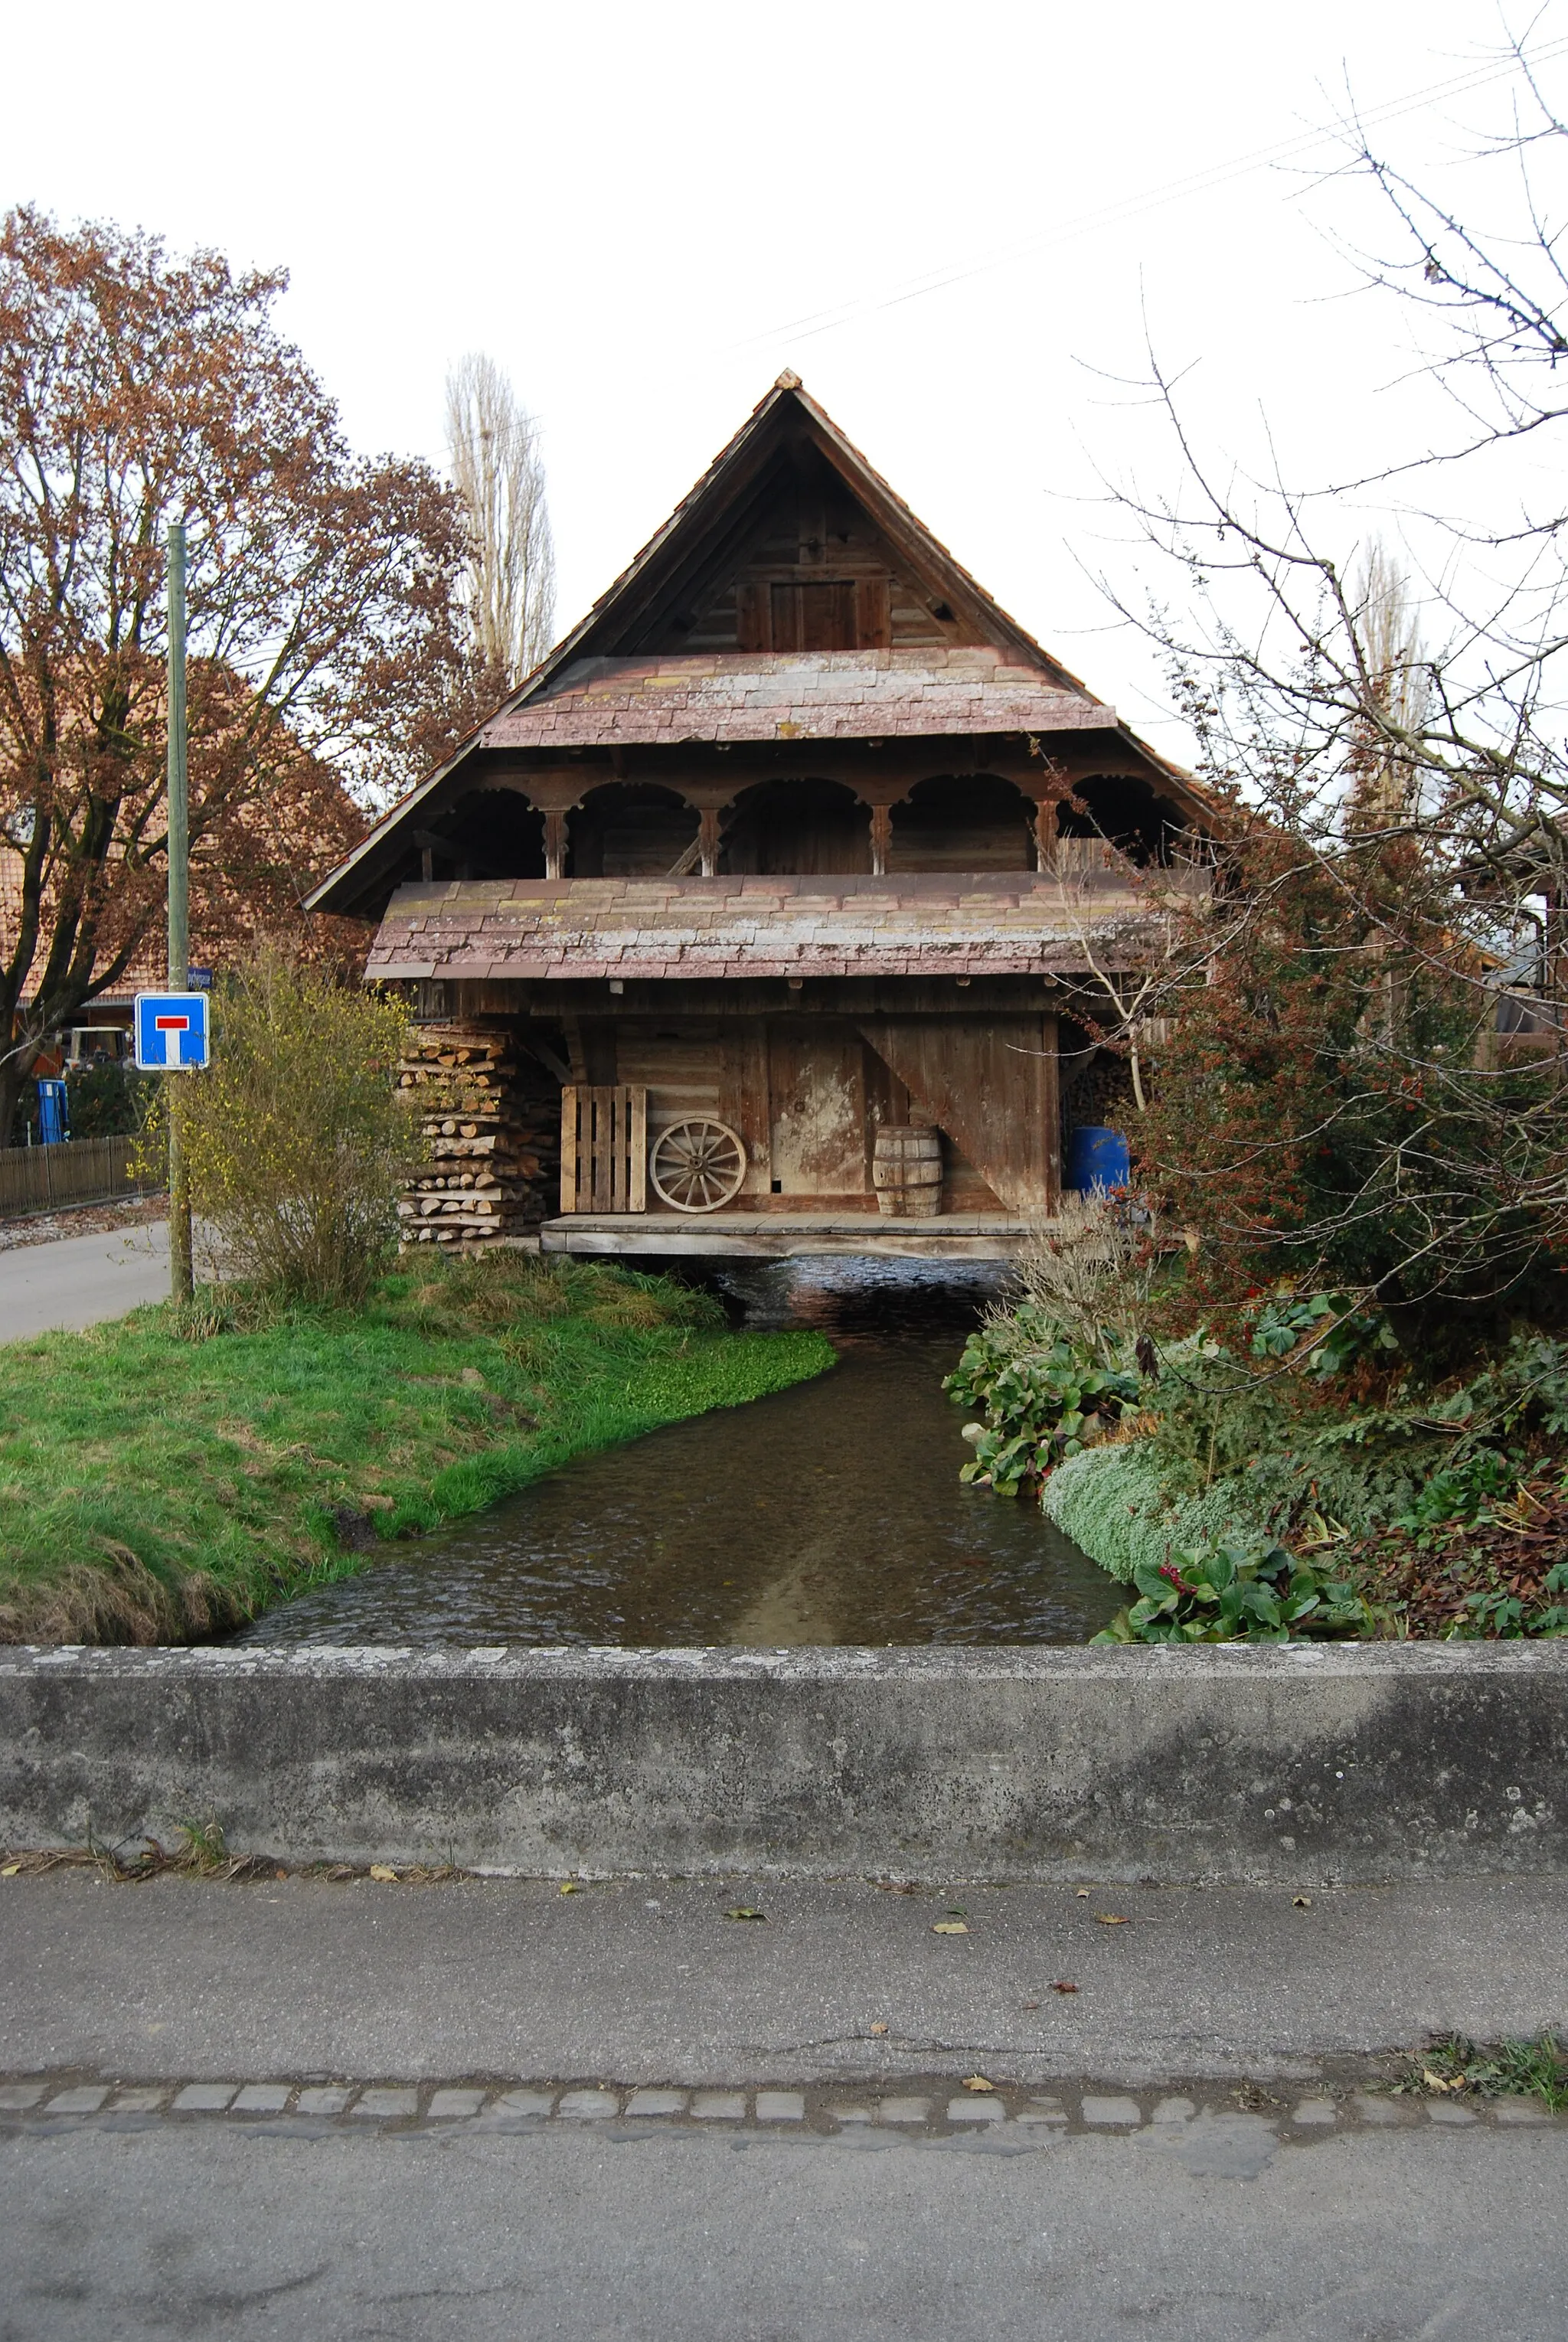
point(1302, 1765)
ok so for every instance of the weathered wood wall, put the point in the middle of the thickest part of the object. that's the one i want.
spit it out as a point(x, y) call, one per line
point(991, 1083)
point(807, 1095)
point(818, 575)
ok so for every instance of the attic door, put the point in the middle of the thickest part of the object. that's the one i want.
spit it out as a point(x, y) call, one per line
point(813, 614)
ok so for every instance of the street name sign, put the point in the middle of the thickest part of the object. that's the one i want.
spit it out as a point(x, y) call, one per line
point(171, 1030)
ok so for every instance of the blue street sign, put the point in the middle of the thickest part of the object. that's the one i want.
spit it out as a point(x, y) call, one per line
point(200, 979)
point(171, 1030)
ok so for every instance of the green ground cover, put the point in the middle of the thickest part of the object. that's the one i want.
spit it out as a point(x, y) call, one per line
point(178, 1471)
point(1342, 1492)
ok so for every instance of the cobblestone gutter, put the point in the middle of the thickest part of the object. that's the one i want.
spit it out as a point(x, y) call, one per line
point(1350, 1763)
point(1226, 2131)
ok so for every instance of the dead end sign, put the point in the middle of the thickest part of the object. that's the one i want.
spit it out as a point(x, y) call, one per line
point(171, 1030)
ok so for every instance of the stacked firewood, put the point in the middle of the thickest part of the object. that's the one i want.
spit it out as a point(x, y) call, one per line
point(493, 1129)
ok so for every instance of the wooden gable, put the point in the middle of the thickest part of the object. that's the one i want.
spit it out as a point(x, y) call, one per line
point(816, 573)
point(791, 542)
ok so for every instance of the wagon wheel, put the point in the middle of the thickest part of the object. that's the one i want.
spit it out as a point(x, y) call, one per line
point(696, 1165)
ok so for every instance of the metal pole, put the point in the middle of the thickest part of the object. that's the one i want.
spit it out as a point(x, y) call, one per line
point(179, 833)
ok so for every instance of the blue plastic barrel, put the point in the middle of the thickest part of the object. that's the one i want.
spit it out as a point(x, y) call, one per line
point(1096, 1159)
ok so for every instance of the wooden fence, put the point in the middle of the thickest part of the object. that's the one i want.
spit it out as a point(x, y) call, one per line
point(80, 1171)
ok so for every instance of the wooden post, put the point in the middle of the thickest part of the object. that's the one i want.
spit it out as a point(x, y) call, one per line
point(179, 860)
point(1045, 834)
point(555, 846)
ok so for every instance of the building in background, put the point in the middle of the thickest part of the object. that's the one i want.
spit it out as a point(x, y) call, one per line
point(765, 916)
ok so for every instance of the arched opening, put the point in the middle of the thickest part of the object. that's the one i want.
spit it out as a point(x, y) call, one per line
point(809, 826)
point(489, 833)
point(1126, 812)
point(977, 823)
point(631, 829)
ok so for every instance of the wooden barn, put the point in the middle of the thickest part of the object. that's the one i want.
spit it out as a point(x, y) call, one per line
point(765, 917)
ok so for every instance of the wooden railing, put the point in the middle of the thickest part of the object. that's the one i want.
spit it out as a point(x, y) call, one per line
point(80, 1171)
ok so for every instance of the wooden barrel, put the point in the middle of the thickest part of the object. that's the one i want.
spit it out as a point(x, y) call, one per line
point(906, 1171)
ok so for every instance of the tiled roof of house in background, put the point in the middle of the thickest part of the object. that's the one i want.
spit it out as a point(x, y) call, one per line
point(793, 696)
point(1016, 923)
point(147, 972)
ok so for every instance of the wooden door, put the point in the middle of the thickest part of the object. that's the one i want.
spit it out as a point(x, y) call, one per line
point(816, 1081)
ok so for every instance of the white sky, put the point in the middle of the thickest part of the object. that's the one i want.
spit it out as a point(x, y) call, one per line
point(630, 206)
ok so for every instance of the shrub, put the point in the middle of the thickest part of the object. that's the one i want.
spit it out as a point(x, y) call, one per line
point(1092, 1274)
point(109, 1100)
point(1237, 1593)
point(297, 1141)
point(1115, 1503)
point(1043, 1397)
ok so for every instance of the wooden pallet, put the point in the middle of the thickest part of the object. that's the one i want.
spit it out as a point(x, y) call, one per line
point(604, 1147)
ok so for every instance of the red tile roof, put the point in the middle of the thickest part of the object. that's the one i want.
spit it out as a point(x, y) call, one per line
point(1020, 923)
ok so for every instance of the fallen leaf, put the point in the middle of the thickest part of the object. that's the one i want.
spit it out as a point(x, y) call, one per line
point(280, 1874)
point(383, 1871)
point(1112, 1919)
point(10, 1870)
point(879, 2028)
point(1435, 2081)
point(949, 1927)
point(1083, 1895)
point(977, 2082)
point(1061, 1985)
point(571, 1886)
point(744, 1911)
point(1303, 1902)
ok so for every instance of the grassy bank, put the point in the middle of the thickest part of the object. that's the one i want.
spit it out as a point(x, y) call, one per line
point(177, 1472)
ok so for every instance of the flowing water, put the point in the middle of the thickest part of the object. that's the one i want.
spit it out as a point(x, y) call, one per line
point(831, 1513)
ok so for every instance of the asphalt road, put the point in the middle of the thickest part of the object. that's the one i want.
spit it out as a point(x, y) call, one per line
point(82, 1280)
point(1401, 2236)
point(648, 1981)
point(436, 2135)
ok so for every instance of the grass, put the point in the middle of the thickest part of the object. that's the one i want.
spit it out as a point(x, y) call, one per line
point(1496, 2069)
point(175, 1472)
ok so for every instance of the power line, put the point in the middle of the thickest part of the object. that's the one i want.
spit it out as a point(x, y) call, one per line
point(828, 321)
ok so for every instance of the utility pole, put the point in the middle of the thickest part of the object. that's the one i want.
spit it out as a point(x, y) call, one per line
point(179, 836)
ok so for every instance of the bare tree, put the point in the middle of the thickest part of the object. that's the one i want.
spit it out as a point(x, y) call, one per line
point(499, 472)
point(1365, 1081)
point(1386, 785)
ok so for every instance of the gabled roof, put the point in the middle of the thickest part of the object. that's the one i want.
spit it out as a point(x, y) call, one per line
point(620, 677)
point(695, 533)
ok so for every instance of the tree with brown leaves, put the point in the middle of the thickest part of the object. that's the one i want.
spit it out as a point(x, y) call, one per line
point(137, 387)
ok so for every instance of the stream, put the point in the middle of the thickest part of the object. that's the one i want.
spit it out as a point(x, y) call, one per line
point(831, 1513)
